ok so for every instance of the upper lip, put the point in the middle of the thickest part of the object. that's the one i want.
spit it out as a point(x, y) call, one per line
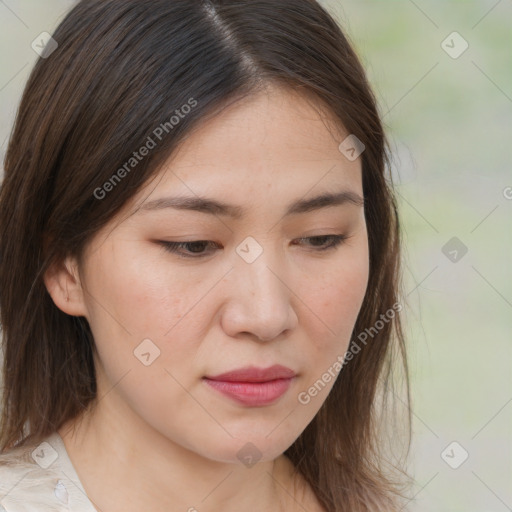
point(255, 374)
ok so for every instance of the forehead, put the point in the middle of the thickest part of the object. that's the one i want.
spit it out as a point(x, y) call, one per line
point(270, 125)
point(276, 144)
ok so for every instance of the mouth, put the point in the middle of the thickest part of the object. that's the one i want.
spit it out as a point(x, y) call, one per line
point(253, 386)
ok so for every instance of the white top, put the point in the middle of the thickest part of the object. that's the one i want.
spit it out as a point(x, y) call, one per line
point(41, 478)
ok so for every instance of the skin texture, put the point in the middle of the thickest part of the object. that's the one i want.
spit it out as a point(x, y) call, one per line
point(159, 438)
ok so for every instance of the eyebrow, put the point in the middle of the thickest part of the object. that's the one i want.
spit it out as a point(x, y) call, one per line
point(215, 207)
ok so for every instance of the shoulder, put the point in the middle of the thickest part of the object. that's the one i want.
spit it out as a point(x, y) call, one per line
point(26, 485)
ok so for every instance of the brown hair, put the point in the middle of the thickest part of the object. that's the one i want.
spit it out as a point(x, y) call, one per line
point(123, 67)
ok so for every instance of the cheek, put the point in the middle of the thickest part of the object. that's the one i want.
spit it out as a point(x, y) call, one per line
point(336, 299)
point(347, 292)
point(135, 296)
point(132, 293)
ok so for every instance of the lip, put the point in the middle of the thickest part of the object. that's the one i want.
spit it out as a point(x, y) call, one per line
point(253, 386)
point(255, 374)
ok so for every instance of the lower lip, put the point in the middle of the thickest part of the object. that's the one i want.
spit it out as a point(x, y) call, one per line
point(252, 393)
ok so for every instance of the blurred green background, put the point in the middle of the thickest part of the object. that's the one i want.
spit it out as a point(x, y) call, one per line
point(448, 112)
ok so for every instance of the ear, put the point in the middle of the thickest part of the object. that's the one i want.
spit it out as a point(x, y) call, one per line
point(63, 284)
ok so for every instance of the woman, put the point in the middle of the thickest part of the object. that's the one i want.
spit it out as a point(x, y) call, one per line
point(199, 265)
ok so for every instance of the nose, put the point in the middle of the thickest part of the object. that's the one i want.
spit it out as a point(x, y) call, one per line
point(260, 300)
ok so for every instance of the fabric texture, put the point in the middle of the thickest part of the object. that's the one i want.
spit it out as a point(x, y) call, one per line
point(41, 478)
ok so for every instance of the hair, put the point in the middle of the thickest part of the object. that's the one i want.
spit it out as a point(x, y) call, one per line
point(121, 69)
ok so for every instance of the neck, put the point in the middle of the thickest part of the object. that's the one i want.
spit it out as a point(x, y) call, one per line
point(125, 464)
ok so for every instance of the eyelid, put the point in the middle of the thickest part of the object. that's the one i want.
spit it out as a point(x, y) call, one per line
point(335, 240)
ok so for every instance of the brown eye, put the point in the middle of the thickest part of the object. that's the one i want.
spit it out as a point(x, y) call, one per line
point(192, 249)
point(196, 248)
point(332, 241)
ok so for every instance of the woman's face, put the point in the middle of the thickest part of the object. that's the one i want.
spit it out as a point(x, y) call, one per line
point(254, 294)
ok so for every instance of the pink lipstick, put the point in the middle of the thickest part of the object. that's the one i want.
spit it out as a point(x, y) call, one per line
point(253, 386)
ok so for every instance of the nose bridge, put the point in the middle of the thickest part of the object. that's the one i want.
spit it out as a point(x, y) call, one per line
point(263, 280)
point(261, 295)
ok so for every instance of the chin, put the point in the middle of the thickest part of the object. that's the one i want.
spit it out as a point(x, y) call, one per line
point(247, 449)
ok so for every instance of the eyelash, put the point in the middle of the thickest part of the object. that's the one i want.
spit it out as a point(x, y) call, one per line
point(176, 247)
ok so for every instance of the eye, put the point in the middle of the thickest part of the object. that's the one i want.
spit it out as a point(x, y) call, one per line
point(333, 241)
point(195, 248)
